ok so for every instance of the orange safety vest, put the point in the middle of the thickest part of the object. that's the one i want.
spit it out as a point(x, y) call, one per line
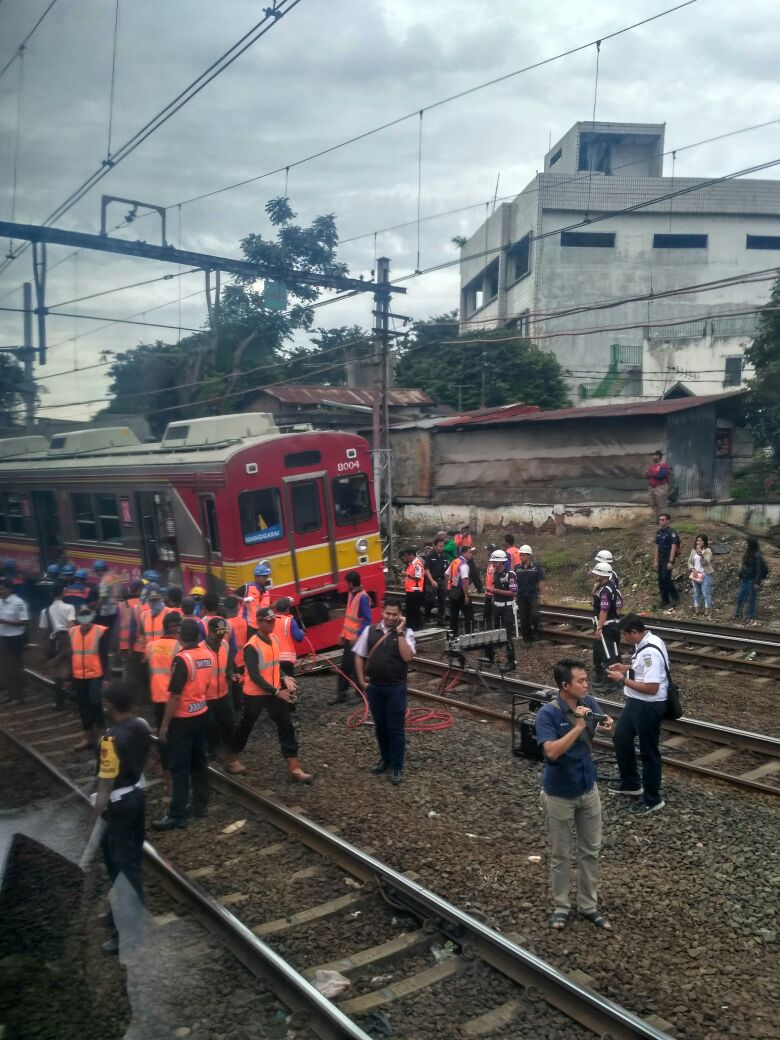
point(453, 573)
point(139, 609)
point(126, 611)
point(491, 570)
point(351, 628)
point(85, 662)
point(514, 556)
point(259, 599)
point(415, 576)
point(463, 541)
point(160, 654)
point(218, 686)
point(200, 665)
point(268, 664)
point(240, 628)
point(151, 626)
point(283, 633)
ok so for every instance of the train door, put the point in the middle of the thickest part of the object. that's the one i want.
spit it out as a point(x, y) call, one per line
point(212, 549)
point(158, 535)
point(47, 522)
point(309, 510)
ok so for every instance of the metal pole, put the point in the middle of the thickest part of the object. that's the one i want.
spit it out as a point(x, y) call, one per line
point(28, 352)
point(383, 332)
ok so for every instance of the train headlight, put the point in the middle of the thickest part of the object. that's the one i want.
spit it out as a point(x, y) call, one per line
point(362, 545)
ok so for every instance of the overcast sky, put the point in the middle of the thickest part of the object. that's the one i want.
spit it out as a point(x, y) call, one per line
point(328, 70)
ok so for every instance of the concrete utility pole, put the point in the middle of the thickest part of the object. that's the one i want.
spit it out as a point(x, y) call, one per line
point(27, 353)
point(383, 480)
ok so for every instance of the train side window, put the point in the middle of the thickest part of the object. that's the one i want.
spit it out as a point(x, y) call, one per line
point(306, 507)
point(351, 501)
point(15, 518)
point(84, 517)
point(212, 530)
point(261, 515)
point(108, 515)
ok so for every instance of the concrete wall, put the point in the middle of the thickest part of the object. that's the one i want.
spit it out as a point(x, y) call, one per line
point(699, 362)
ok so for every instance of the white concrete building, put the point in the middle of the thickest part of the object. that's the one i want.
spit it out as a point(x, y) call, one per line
point(599, 226)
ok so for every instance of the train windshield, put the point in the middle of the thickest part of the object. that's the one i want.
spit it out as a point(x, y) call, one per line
point(351, 500)
point(261, 515)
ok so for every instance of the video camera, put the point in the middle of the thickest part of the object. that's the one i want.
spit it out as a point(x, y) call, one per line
point(595, 716)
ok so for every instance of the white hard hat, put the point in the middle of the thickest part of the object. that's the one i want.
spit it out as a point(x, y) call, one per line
point(602, 570)
point(603, 556)
point(526, 550)
point(499, 556)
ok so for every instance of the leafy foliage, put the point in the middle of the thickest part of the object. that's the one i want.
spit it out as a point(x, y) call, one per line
point(763, 406)
point(452, 372)
point(11, 395)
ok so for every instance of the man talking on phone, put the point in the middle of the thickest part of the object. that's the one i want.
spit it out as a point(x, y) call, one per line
point(382, 655)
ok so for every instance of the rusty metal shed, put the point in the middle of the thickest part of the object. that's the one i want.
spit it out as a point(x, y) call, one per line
point(600, 454)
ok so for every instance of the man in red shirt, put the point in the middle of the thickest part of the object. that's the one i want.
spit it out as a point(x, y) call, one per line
point(658, 475)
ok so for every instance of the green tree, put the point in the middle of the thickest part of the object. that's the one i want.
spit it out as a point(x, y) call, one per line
point(12, 397)
point(763, 405)
point(452, 372)
point(324, 359)
point(243, 344)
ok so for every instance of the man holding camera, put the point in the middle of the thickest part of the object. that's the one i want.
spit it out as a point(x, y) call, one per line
point(564, 729)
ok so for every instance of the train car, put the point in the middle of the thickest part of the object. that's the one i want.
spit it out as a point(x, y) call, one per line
point(203, 506)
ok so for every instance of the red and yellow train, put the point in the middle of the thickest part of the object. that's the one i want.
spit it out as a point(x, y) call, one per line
point(203, 506)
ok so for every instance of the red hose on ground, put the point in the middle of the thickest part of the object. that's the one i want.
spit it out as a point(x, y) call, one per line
point(418, 720)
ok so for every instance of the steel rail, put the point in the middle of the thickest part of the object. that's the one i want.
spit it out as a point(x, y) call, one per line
point(323, 1018)
point(598, 1013)
point(738, 739)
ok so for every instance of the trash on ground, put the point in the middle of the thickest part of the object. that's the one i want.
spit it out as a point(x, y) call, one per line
point(330, 983)
point(233, 827)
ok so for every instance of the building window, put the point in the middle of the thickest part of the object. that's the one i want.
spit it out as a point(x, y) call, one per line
point(108, 515)
point(519, 258)
point(588, 239)
point(680, 241)
point(732, 375)
point(554, 158)
point(261, 515)
point(521, 324)
point(84, 517)
point(351, 500)
point(491, 281)
point(306, 507)
point(762, 242)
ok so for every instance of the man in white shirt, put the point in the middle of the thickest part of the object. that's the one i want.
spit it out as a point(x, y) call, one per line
point(645, 686)
point(55, 620)
point(13, 636)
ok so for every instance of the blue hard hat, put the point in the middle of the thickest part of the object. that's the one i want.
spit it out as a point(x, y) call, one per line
point(262, 570)
point(152, 576)
point(81, 574)
point(9, 565)
point(68, 570)
point(53, 570)
point(100, 565)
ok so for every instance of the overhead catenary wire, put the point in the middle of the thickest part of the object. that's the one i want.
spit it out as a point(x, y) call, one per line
point(271, 17)
point(113, 81)
point(20, 49)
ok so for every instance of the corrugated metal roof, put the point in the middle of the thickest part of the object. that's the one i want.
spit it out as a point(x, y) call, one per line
point(314, 395)
point(519, 413)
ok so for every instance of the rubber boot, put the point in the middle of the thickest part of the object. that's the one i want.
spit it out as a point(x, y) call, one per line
point(295, 772)
point(89, 741)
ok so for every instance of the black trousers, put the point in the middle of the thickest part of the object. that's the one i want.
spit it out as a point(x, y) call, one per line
point(415, 601)
point(221, 723)
point(487, 612)
point(90, 703)
point(666, 587)
point(601, 656)
point(162, 745)
point(189, 764)
point(12, 666)
point(237, 689)
point(123, 841)
point(528, 609)
point(437, 598)
point(503, 617)
point(347, 666)
point(279, 711)
point(459, 606)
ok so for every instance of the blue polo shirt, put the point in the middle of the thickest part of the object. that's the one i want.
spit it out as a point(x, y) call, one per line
point(574, 773)
point(665, 538)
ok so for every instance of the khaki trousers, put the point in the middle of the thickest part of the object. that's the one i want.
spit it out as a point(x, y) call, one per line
point(659, 499)
point(578, 819)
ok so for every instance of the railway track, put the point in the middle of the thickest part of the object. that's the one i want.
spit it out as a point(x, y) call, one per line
point(423, 951)
point(688, 744)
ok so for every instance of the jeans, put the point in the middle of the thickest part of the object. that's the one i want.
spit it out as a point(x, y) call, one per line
point(702, 593)
point(89, 702)
point(606, 650)
point(189, 762)
point(748, 590)
point(666, 587)
point(279, 710)
point(388, 710)
point(640, 719)
point(568, 818)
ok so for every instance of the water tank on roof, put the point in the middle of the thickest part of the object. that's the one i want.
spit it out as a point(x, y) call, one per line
point(85, 442)
point(217, 429)
point(13, 447)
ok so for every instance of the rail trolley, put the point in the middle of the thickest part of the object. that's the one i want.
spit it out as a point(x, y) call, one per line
point(203, 506)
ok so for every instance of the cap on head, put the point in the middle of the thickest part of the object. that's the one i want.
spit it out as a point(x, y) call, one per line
point(602, 570)
point(525, 550)
point(197, 590)
point(265, 614)
point(68, 570)
point(262, 570)
point(499, 556)
point(100, 565)
point(467, 549)
point(216, 623)
point(81, 574)
point(85, 613)
point(603, 556)
point(155, 594)
point(152, 576)
point(53, 570)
